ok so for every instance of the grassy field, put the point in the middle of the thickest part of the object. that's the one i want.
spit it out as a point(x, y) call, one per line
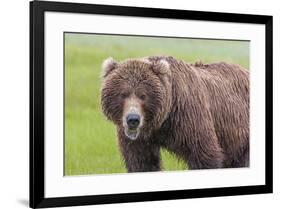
point(90, 140)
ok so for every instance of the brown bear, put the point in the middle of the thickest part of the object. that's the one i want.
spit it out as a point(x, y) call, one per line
point(199, 112)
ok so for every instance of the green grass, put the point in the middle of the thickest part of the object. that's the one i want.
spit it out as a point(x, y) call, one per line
point(90, 140)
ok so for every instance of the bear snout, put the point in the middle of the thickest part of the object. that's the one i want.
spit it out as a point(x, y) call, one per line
point(133, 120)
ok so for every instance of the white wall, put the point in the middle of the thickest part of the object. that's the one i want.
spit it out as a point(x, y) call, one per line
point(14, 112)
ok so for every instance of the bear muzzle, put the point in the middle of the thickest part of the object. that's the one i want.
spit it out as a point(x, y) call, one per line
point(132, 126)
point(133, 121)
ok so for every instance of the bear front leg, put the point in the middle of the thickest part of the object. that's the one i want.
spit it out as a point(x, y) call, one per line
point(140, 156)
point(206, 155)
point(242, 160)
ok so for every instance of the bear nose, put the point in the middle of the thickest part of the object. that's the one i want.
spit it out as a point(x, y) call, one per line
point(133, 120)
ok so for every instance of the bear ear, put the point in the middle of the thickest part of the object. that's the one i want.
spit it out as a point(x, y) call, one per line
point(162, 68)
point(108, 65)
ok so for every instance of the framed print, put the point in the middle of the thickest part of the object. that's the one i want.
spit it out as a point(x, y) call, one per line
point(135, 104)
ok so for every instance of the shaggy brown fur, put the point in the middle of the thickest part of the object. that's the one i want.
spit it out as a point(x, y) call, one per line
point(198, 112)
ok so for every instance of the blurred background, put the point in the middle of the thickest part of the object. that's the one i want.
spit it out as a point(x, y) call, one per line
point(90, 140)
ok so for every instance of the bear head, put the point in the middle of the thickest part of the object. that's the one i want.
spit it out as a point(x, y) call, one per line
point(136, 95)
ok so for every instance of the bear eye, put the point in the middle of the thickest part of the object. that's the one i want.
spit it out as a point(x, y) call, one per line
point(143, 97)
point(123, 95)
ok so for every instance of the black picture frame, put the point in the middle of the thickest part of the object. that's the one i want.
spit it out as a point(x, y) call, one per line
point(37, 196)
